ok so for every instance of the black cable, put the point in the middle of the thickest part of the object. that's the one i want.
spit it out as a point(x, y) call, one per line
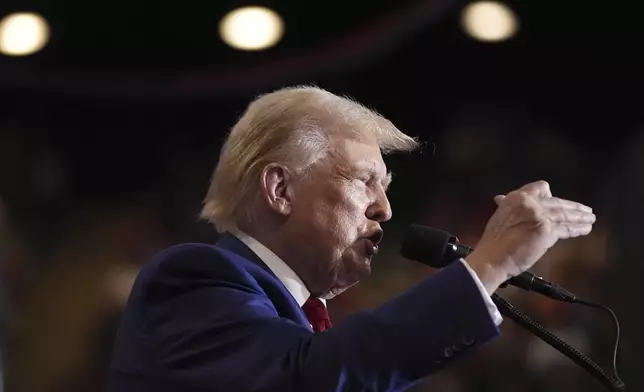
point(617, 330)
point(508, 310)
point(558, 293)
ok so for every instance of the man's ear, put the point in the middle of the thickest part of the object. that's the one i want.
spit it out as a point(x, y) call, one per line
point(277, 188)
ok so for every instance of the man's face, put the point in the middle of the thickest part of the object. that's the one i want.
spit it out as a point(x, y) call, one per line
point(336, 215)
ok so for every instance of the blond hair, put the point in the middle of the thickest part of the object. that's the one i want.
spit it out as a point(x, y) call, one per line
point(290, 126)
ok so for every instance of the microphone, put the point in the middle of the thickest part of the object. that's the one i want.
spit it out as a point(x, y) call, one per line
point(437, 248)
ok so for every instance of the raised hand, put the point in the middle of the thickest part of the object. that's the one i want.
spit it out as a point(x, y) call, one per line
point(527, 222)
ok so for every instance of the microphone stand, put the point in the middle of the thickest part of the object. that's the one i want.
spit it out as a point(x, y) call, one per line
point(508, 310)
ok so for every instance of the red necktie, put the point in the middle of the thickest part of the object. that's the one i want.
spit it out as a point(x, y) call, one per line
point(317, 314)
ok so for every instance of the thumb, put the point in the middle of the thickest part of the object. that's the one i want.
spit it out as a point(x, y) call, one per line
point(498, 199)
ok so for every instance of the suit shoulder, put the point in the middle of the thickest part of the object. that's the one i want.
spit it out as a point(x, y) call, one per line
point(189, 268)
point(189, 261)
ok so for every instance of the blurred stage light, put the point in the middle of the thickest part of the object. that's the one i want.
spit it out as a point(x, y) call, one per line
point(251, 28)
point(489, 21)
point(23, 33)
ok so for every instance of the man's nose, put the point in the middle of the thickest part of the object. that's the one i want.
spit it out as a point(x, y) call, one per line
point(380, 209)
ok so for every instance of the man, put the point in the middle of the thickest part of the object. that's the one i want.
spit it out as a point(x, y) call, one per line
point(299, 195)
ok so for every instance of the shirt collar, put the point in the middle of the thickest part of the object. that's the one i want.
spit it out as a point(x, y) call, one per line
point(284, 273)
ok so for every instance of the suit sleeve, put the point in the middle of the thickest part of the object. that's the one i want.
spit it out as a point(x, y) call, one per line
point(215, 334)
point(489, 304)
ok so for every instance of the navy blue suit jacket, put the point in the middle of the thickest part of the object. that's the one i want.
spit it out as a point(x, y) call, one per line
point(215, 318)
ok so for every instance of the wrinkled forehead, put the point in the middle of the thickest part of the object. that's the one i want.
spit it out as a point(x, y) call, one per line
point(357, 154)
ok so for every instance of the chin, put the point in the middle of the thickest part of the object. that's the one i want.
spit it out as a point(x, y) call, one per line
point(339, 289)
point(352, 271)
point(363, 271)
point(358, 268)
point(356, 273)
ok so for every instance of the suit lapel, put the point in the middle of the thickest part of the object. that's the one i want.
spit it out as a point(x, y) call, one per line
point(279, 295)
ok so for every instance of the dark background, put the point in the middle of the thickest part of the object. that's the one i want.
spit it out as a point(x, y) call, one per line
point(109, 135)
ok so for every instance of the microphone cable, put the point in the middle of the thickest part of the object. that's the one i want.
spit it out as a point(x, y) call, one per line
point(613, 383)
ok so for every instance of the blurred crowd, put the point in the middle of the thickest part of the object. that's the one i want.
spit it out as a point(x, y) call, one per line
point(66, 275)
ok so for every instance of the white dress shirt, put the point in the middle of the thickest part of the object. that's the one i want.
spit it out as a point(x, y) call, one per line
point(298, 290)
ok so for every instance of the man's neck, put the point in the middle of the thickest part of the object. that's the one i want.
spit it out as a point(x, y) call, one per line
point(278, 266)
point(272, 237)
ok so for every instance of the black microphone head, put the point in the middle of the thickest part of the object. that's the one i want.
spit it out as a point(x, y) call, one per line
point(427, 245)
